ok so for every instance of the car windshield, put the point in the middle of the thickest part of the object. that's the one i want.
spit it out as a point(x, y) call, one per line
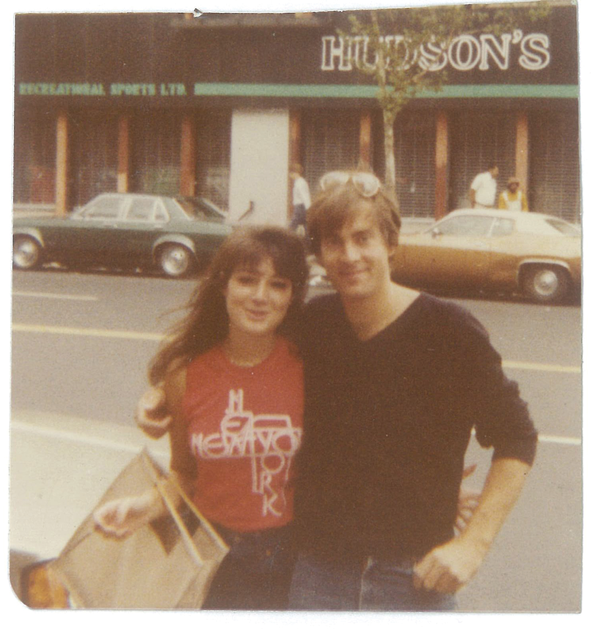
point(563, 227)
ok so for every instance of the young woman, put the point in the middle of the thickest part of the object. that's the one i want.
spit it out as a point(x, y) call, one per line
point(234, 389)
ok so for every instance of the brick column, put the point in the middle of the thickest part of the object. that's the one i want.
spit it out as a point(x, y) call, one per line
point(62, 163)
point(187, 185)
point(522, 150)
point(366, 126)
point(123, 155)
point(441, 165)
point(294, 152)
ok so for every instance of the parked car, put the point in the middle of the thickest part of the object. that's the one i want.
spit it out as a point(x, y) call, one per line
point(204, 209)
point(533, 254)
point(122, 230)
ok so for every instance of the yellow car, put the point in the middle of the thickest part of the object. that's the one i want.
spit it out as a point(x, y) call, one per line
point(532, 254)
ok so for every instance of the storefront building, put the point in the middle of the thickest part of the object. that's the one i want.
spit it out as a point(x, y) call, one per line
point(220, 107)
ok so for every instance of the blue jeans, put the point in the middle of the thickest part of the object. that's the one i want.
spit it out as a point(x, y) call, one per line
point(298, 217)
point(374, 585)
point(256, 573)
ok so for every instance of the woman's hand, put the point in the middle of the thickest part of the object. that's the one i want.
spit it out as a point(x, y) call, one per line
point(151, 413)
point(124, 516)
point(467, 502)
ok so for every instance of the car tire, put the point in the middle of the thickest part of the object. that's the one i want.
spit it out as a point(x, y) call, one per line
point(175, 260)
point(546, 283)
point(27, 252)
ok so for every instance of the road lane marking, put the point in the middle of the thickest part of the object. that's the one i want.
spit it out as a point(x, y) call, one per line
point(88, 439)
point(93, 440)
point(149, 336)
point(563, 441)
point(511, 364)
point(17, 293)
point(118, 334)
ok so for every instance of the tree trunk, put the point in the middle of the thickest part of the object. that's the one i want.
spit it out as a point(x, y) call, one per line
point(390, 159)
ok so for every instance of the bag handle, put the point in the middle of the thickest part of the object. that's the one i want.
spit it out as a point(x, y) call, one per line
point(207, 525)
point(160, 482)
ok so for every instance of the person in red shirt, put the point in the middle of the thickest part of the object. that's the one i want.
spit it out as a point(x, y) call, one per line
point(233, 382)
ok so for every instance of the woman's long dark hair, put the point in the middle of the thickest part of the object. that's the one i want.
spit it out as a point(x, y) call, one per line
point(207, 323)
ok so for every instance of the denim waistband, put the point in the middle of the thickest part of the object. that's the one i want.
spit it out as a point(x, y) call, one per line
point(263, 535)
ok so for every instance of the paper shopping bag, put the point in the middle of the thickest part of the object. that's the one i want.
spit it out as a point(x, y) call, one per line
point(167, 564)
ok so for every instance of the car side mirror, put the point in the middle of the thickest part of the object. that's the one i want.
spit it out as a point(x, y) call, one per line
point(435, 232)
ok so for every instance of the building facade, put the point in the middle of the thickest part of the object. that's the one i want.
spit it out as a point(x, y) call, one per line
point(220, 106)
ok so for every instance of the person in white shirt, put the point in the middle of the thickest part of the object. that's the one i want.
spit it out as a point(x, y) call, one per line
point(482, 193)
point(300, 198)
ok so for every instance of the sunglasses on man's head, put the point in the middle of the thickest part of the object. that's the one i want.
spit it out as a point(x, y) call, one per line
point(366, 184)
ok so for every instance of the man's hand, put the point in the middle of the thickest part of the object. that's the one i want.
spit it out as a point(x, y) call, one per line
point(151, 413)
point(448, 567)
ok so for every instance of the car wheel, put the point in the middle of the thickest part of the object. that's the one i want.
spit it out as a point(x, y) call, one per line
point(176, 260)
point(27, 252)
point(546, 284)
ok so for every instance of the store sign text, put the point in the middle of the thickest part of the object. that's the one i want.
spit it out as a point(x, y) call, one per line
point(98, 89)
point(465, 52)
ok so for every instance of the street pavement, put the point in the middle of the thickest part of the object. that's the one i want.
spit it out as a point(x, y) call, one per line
point(60, 467)
point(62, 462)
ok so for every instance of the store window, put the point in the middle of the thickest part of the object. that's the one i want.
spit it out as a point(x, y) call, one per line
point(213, 151)
point(478, 139)
point(34, 159)
point(555, 175)
point(415, 164)
point(330, 141)
point(156, 153)
point(93, 140)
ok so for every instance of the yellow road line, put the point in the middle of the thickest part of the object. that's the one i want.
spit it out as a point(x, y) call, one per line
point(149, 336)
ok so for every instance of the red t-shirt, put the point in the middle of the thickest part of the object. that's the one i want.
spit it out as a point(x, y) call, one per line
point(244, 426)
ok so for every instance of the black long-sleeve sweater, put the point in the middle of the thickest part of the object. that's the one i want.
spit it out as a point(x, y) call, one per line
point(387, 424)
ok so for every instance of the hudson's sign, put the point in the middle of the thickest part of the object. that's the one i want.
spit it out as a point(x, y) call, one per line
point(465, 53)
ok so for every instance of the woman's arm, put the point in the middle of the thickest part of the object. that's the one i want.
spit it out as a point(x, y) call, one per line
point(123, 516)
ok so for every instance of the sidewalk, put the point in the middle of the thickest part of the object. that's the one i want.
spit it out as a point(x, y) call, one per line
point(59, 468)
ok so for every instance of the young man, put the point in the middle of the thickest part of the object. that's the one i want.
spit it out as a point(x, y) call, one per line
point(395, 381)
point(482, 193)
point(513, 198)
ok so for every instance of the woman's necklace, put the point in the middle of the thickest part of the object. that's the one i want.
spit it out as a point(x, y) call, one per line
point(258, 357)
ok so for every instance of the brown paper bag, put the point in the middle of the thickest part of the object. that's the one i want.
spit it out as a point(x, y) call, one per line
point(167, 564)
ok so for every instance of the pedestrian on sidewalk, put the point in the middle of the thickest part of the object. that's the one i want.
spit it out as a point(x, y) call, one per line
point(482, 193)
point(300, 198)
point(513, 198)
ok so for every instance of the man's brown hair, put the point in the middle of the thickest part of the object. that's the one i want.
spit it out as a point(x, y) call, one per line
point(334, 206)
